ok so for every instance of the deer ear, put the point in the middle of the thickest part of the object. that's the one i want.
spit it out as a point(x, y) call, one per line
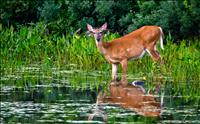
point(90, 28)
point(104, 27)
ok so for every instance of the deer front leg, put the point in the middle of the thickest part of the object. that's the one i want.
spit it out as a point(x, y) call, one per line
point(114, 72)
point(124, 64)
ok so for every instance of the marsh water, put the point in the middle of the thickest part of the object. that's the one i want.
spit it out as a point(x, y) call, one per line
point(29, 95)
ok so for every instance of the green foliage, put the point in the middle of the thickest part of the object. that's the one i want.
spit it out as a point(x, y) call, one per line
point(18, 12)
point(49, 11)
point(32, 45)
point(180, 18)
point(176, 17)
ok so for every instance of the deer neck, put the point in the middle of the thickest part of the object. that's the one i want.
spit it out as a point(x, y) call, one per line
point(101, 47)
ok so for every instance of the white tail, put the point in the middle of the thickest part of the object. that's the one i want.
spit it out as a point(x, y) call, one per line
point(161, 38)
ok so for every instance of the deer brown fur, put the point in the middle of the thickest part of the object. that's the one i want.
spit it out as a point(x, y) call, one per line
point(130, 46)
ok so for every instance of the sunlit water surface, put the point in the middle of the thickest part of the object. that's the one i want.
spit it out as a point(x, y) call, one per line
point(30, 96)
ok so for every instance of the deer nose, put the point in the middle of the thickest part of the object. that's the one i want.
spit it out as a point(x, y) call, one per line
point(98, 38)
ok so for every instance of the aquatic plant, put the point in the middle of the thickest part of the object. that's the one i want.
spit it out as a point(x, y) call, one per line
point(32, 44)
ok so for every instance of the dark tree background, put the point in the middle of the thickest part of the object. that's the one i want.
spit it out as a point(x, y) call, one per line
point(180, 18)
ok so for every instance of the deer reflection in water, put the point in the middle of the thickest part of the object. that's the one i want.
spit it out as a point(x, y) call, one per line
point(129, 97)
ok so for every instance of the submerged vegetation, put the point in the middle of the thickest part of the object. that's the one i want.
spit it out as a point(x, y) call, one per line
point(33, 45)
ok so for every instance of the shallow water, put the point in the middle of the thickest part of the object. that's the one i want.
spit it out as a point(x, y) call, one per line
point(31, 96)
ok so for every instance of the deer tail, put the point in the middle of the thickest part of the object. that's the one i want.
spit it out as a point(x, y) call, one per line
point(161, 38)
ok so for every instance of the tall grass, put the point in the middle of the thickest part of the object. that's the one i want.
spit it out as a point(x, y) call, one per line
point(33, 45)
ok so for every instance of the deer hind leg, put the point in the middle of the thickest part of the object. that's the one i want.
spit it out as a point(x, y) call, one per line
point(154, 54)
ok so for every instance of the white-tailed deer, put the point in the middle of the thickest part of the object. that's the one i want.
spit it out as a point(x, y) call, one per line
point(130, 46)
point(128, 97)
point(133, 98)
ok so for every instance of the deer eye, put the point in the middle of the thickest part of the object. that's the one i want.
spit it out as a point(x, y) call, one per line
point(91, 32)
point(103, 31)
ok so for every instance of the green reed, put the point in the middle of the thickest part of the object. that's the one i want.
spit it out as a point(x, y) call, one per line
point(33, 45)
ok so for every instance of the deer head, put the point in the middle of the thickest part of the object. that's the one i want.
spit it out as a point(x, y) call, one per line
point(98, 33)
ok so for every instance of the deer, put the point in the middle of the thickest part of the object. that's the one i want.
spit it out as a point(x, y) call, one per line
point(128, 47)
point(131, 97)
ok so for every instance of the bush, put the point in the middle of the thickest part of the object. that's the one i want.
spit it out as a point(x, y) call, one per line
point(175, 17)
point(180, 18)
